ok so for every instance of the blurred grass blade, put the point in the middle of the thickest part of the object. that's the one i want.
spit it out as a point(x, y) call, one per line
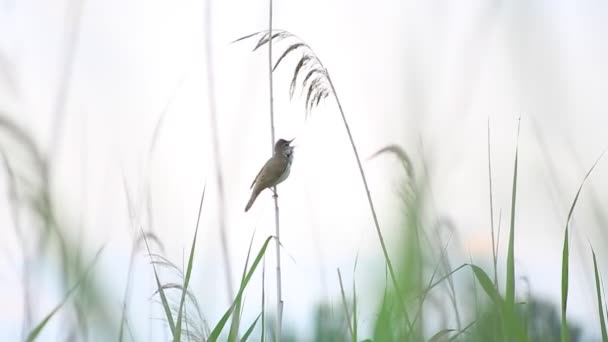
point(487, 285)
point(565, 257)
point(510, 286)
point(355, 324)
point(161, 291)
point(599, 299)
point(250, 330)
point(38, 329)
point(222, 322)
point(236, 317)
point(345, 304)
point(453, 338)
point(441, 333)
point(494, 247)
point(565, 254)
point(178, 327)
point(263, 337)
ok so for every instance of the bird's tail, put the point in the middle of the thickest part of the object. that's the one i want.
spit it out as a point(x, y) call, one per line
point(254, 195)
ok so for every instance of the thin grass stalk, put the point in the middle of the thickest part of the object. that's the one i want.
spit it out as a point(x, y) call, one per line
point(276, 196)
point(186, 280)
point(371, 204)
point(355, 320)
point(216, 153)
point(494, 248)
point(66, 76)
point(127, 294)
point(345, 304)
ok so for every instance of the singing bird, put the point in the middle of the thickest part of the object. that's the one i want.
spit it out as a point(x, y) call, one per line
point(274, 171)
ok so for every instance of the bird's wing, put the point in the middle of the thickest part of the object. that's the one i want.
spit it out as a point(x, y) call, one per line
point(264, 179)
point(258, 175)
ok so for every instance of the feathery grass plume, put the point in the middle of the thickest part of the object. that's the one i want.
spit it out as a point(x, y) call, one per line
point(314, 77)
point(137, 246)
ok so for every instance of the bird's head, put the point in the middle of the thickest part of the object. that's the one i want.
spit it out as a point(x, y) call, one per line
point(282, 146)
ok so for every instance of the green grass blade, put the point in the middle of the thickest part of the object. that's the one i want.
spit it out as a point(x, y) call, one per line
point(346, 313)
point(441, 333)
point(599, 299)
point(236, 317)
point(263, 337)
point(494, 248)
point(487, 285)
point(217, 330)
point(355, 324)
point(177, 335)
point(453, 338)
point(161, 291)
point(510, 286)
point(250, 330)
point(38, 329)
point(565, 255)
point(515, 329)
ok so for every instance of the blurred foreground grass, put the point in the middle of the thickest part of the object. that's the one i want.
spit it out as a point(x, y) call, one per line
point(408, 312)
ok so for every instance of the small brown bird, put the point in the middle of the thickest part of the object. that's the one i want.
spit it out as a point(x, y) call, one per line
point(274, 171)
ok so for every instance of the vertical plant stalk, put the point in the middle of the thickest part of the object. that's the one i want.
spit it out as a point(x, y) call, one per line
point(216, 153)
point(64, 86)
point(276, 196)
point(371, 203)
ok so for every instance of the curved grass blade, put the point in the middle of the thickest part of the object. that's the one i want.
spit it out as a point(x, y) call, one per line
point(236, 317)
point(441, 333)
point(38, 329)
point(510, 286)
point(161, 291)
point(250, 330)
point(346, 313)
point(453, 338)
point(565, 254)
point(222, 322)
point(599, 299)
point(487, 285)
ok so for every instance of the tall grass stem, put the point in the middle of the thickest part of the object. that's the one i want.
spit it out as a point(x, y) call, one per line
point(216, 153)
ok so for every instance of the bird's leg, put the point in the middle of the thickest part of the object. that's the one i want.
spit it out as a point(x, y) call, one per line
point(274, 193)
